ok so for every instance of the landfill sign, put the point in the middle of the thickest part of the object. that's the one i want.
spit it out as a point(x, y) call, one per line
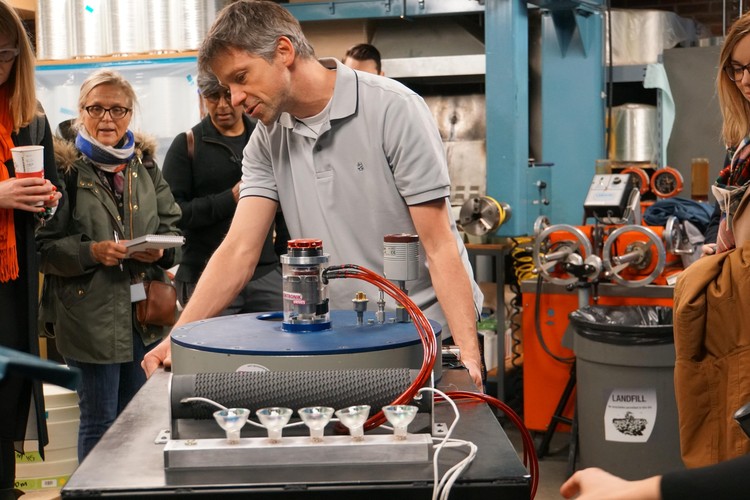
point(630, 415)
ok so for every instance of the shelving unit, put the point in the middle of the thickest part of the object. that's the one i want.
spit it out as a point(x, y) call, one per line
point(117, 60)
point(631, 73)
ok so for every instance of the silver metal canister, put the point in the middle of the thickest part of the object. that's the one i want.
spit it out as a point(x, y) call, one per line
point(634, 133)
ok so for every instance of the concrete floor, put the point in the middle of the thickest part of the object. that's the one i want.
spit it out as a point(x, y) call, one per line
point(553, 468)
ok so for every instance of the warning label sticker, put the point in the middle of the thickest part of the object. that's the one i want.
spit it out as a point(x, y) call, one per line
point(630, 415)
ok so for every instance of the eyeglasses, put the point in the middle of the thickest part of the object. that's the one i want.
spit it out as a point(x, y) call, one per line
point(7, 55)
point(116, 112)
point(214, 97)
point(735, 72)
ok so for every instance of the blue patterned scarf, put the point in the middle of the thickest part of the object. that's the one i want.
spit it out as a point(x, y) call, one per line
point(108, 158)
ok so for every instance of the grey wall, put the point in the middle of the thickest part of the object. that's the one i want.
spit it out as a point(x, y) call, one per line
point(697, 128)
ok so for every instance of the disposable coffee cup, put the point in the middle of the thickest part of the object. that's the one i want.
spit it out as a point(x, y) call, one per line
point(29, 162)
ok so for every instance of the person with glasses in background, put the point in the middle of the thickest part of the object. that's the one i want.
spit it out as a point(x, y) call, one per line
point(733, 86)
point(23, 204)
point(204, 169)
point(115, 193)
point(364, 57)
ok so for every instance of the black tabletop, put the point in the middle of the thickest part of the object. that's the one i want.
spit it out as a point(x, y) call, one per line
point(128, 462)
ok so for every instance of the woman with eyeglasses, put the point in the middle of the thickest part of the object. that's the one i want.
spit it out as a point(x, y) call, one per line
point(24, 203)
point(116, 193)
point(733, 87)
point(203, 168)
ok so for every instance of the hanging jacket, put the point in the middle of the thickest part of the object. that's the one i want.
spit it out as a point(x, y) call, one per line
point(712, 344)
point(87, 303)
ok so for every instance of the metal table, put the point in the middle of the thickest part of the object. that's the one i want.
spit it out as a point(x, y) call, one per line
point(128, 463)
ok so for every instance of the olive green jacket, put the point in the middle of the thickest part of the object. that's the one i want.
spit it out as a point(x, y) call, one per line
point(87, 303)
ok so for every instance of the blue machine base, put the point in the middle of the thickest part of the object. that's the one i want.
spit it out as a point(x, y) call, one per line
point(261, 334)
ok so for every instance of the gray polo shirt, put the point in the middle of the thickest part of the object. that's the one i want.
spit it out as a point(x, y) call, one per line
point(379, 152)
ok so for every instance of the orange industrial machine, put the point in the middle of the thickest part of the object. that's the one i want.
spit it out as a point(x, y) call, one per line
point(613, 261)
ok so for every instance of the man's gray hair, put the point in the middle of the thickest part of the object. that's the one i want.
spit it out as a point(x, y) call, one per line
point(253, 26)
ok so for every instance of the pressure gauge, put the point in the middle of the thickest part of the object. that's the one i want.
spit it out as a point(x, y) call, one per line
point(640, 176)
point(666, 182)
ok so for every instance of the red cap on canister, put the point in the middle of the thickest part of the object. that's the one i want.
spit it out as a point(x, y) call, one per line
point(400, 238)
point(306, 243)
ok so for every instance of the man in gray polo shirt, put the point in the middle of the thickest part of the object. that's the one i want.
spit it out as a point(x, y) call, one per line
point(350, 157)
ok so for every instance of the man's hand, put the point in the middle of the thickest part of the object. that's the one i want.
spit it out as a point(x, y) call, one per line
point(475, 371)
point(596, 484)
point(158, 356)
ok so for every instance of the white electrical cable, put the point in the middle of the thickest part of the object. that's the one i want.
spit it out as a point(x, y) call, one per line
point(442, 487)
point(452, 474)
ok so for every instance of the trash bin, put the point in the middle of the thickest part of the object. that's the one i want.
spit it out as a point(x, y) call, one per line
point(627, 414)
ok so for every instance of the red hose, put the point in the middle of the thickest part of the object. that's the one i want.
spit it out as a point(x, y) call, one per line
point(421, 323)
point(530, 460)
point(426, 334)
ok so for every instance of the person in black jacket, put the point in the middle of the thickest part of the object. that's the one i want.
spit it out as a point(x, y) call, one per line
point(203, 168)
point(23, 205)
point(723, 480)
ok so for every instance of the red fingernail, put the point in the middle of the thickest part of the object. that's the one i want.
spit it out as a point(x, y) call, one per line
point(52, 197)
point(54, 188)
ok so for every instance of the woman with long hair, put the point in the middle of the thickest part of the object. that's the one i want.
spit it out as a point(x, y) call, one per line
point(23, 204)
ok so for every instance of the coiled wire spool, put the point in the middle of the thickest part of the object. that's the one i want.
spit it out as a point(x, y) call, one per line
point(291, 389)
point(126, 19)
point(164, 18)
point(634, 133)
point(91, 26)
point(53, 27)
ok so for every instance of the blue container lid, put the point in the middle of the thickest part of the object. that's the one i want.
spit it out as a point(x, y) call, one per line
point(261, 334)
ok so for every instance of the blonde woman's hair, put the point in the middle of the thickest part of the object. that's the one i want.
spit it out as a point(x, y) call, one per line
point(104, 77)
point(735, 108)
point(21, 85)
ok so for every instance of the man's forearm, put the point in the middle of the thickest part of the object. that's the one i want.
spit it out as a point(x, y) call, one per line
point(454, 293)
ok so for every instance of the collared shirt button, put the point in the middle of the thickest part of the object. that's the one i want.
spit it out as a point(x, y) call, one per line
point(318, 147)
point(118, 217)
point(135, 174)
point(135, 207)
